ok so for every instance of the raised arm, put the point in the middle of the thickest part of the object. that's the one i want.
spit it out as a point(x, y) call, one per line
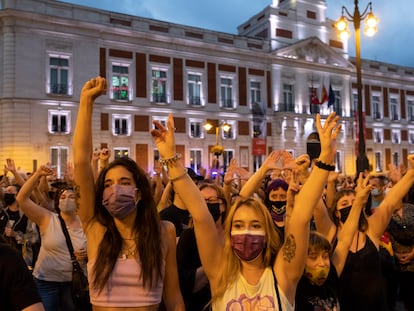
point(378, 222)
point(346, 234)
point(324, 224)
point(82, 148)
point(290, 260)
point(208, 241)
point(11, 167)
point(33, 211)
point(253, 183)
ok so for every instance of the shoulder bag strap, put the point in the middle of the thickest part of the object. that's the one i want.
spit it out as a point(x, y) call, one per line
point(277, 290)
point(67, 237)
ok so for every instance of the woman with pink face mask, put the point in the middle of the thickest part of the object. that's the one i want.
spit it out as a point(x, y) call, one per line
point(131, 253)
point(252, 269)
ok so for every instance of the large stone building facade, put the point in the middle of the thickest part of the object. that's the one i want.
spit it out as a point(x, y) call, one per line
point(261, 82)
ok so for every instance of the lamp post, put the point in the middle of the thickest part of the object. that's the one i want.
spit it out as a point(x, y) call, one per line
point(217, 149)
point(371, 21)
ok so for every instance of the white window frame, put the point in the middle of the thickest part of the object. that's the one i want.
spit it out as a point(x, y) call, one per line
point(255, 92)
point(59, 114)
point(378, 161)
point(396, 159)
point(354, 108)
point(59, 162)
point(410, 109)
point(121, 152)
point(411, 137)
point(288, 96)
point(396, 136)
point(166, 79)
point(230, 134)
point(161, 119)
point(224, 102)
point(69, 86)
point(377, 112)
point(378, 136)
point(128, 75)
point(196, 159)
point(127, 118)
point(339, 163)
point(191, 100)
point(394, 108)
point(228, 154)
point(199, 123)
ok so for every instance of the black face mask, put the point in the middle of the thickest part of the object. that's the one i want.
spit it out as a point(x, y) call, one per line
point(214, 209)
point(277, 209)
point(9, 198)
point(345, 213)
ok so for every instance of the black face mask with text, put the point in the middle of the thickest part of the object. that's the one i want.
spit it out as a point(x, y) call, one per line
point(277, 209)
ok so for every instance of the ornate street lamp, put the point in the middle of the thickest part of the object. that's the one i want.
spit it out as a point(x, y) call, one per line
point(370, 29)
point(217, 149)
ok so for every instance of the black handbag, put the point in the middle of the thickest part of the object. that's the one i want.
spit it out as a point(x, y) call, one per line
point(80, 285)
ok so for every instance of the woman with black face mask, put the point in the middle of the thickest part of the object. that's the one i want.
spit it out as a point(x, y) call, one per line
point(193, 281)
point(275, 201)
point(15, 227)
point(362, 285)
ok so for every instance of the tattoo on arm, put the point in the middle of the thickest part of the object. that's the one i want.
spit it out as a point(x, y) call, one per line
point(289, 248)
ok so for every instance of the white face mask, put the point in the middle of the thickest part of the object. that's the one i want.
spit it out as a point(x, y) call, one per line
point(67, 205)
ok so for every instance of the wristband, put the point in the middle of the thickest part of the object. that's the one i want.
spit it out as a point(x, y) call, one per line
point(178, 177)
point(324, 166)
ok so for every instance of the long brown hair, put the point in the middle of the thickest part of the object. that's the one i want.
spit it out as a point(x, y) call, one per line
point(146, 228)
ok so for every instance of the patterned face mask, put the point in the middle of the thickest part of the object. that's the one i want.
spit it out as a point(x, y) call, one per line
point(317, 276)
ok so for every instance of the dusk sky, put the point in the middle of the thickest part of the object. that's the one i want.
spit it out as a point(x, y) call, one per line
point(392, 43)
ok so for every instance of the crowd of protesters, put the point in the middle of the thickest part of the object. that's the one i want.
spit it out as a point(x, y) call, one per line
point(294, 235)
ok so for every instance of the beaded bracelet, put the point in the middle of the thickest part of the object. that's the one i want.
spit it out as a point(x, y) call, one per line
point(324, 166)
point(178, 177)
point(167, 162)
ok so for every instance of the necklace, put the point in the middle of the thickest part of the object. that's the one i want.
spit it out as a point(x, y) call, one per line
point(128, 252)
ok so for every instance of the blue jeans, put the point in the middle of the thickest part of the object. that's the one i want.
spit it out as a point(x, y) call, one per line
point(56, 295)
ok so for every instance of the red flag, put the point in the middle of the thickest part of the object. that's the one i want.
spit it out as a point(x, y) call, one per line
point(324, 95)
point(314, 98)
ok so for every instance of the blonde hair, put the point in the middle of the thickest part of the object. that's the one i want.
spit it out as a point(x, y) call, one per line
point(231, 268)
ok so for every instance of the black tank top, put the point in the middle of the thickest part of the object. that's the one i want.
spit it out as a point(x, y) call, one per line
point(361, 284)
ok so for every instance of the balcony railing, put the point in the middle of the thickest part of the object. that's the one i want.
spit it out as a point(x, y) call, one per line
point(195, 100)
point(227, 103)
point(159, 98)
point(58, 88)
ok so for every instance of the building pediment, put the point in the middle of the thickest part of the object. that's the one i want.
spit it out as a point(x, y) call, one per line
point(313, 50)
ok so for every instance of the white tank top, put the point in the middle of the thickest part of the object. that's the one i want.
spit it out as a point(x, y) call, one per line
point(54, 263)
point(243, 296)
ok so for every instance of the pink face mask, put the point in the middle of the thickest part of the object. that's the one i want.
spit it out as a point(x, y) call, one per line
point(119, 200)
point(248, 245)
